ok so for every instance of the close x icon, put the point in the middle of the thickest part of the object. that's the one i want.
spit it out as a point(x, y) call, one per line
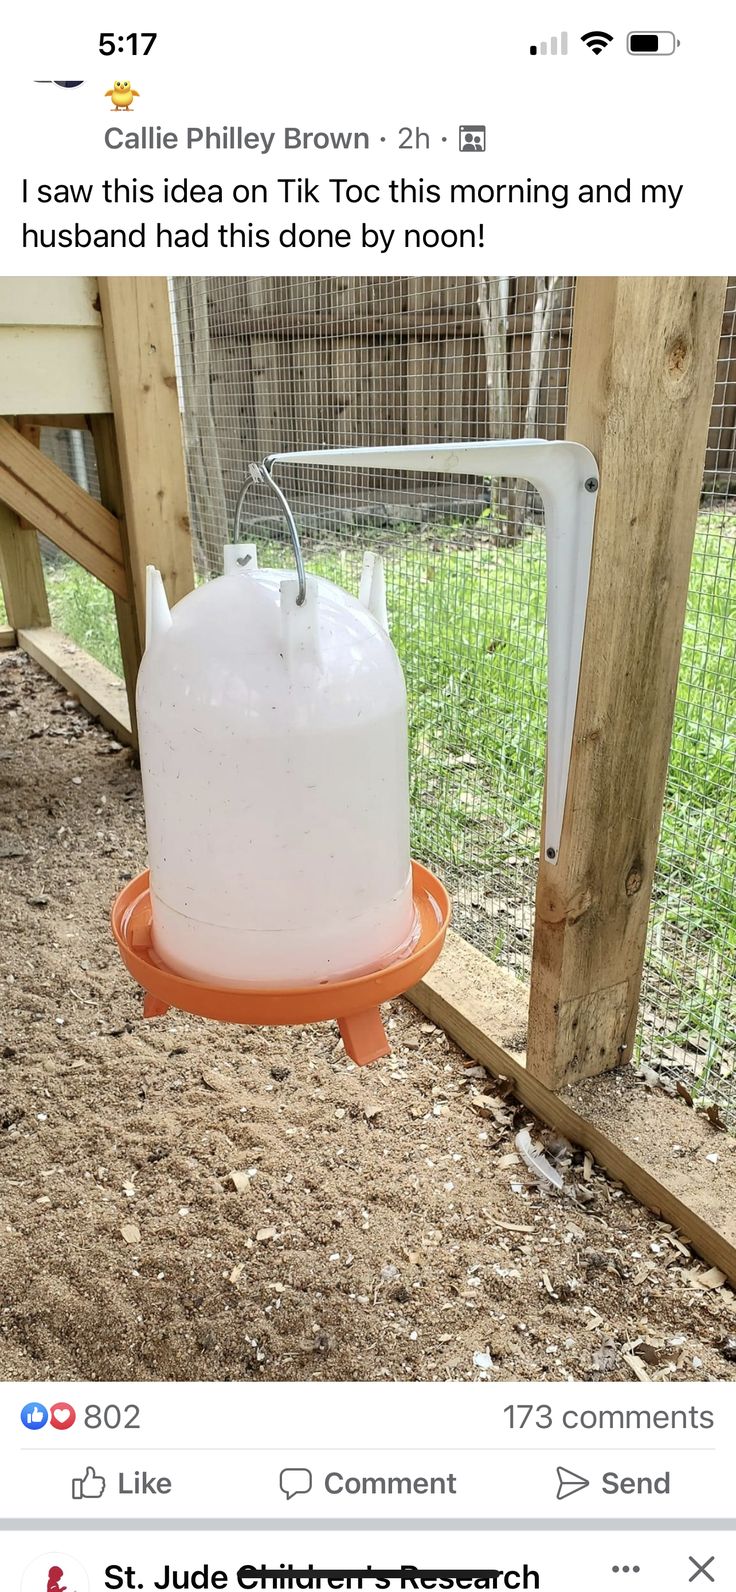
point(702, 1569)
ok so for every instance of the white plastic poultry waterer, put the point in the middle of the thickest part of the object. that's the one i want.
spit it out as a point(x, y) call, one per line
point(274, 754)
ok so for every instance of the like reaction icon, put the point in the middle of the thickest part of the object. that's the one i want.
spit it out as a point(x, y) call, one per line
point(34, 1417)
point(90, 1485)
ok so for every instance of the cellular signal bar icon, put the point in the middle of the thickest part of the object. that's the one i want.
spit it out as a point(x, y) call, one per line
point(551, 47)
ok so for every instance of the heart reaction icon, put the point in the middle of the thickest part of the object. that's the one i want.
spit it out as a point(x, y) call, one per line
point(62, 1416)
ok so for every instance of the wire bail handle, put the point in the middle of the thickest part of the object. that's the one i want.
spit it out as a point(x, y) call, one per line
point(258, 473)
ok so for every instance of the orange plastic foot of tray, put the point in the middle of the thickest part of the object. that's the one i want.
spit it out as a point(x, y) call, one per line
point(364, 1036)
point(153, 1007)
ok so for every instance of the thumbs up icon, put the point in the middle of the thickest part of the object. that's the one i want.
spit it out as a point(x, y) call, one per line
point(34, 1417)
point(88, 1486)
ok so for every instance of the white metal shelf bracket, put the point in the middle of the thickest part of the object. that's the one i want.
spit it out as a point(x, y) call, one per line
point(565, 475)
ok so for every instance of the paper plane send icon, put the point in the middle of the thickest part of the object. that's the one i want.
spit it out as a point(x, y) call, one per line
point(568, 1483)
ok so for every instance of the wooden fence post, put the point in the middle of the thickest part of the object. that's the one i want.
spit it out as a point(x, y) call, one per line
point(136, 325)
point(641, 387)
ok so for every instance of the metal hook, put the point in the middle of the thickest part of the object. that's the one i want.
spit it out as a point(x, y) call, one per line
point(262, 472)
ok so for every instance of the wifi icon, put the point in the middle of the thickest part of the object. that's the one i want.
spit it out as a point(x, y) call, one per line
point(596, 40)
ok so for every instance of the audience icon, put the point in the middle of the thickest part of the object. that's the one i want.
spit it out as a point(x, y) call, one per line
point(472, 140)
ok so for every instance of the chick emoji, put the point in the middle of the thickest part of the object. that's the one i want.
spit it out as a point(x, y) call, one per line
point(122, 94)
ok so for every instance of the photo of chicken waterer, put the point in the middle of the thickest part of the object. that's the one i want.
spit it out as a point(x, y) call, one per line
point(121, 94)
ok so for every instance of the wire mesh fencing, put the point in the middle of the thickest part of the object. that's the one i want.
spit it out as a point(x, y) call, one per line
point(688, 1010)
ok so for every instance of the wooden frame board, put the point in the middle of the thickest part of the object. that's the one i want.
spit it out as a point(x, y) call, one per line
point(21, 572)
point(36, 489)
point(138, 337)
point(96, 687)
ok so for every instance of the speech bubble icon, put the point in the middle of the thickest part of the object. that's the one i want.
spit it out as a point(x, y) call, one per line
point(296, 1479)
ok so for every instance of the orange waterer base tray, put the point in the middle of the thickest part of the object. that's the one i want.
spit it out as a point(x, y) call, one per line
point(353, 1002)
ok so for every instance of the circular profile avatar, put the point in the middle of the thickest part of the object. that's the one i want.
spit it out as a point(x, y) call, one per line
point(55, 1573)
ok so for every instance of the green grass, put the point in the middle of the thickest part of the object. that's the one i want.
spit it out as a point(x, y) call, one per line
point(692, 955)
point(85, 610)
point(476, 678)
point(82, 608)
point(468, 623)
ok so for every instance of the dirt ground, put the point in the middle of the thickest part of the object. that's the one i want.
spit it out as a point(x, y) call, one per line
point(380, 1224)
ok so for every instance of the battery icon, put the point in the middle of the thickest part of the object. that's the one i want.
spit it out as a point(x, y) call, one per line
point(653, 43)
